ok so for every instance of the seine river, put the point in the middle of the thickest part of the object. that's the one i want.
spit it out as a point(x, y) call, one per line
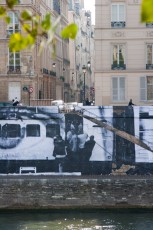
point(78, 220)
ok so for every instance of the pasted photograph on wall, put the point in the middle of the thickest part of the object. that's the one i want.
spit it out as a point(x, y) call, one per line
point(53, 142)
point(144, 130)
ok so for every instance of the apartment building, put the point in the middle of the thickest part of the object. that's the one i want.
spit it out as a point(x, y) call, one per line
point(26, 75)
point(81, 53)
point(123, 54)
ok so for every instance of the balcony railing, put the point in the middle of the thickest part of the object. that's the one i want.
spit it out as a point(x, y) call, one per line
point(52, 73)
point(14, 70)
point(149, 66)
point(118, 24)
point(118, 67)
point(48, 72)
point(66, 85)
point(149, 25)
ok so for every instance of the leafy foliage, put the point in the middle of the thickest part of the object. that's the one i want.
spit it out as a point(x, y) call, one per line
point(147, 11)
point(34, 27)
point(70, 31)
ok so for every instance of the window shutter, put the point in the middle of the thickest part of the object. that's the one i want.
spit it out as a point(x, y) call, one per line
point(114, 13)
point(142, 88)
point(115, 88)
point(121, 13)
point(122, 88)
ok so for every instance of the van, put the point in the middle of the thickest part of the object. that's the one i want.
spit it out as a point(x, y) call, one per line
point(59, 103)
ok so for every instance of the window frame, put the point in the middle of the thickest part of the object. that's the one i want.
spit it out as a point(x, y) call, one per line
point(14, 25)
point(14, 62)
point(120, 91)
point(118, 65)
point(144, 90)
point(120, 21)
point(149, 65)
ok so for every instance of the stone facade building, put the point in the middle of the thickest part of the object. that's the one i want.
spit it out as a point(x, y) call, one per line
point(26, 69)
point(123, 54)
point(47, 77)
point(81, 52)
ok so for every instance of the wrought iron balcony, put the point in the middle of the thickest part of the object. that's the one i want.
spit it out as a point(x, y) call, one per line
point(149, 66)
point(66, 85)
point(14, 70)
point(52, 73)
point(149, 25)
point(118, 24)
point(118, 67)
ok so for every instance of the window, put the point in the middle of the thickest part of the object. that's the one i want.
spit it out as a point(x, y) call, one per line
point(146, 88)
point(118, 16)
point(14, 26)
point(56, 6)
point(33, 130)
point(52, 130)
point(118, 87)
point(14, 62)
point(11, 131)
point(149, 64)
point(118, 60)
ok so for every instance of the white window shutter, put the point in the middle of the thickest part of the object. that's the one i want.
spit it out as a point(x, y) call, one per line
point(122, 88)
point(115, 88)
point(143, 89)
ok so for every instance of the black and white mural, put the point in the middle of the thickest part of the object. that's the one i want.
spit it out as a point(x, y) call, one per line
point(41, 140)
point(144, 130)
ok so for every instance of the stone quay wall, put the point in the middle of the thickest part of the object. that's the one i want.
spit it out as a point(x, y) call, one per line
point(67, 192)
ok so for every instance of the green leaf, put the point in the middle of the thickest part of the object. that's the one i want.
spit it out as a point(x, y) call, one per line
point(34, 32)
point(35, 20)
point(7, 19)
point(11, 3)
point(147, 11)
point(30, 40)
point(26, 27)
point(18, 42)
point(2, 11)
point(26, 15)
point(46, 23)
point(70, 31)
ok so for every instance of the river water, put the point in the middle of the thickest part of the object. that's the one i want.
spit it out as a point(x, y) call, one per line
point(78, 220)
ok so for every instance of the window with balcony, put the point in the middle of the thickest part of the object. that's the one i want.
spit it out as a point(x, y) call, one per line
point(146, 88)
point(14, 25)
point(118, 16)
point(14, 63)
point(118, 57)
point(118, 89)
point(149, 62)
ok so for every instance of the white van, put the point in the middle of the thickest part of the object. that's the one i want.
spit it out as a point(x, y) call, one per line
point(59, 103)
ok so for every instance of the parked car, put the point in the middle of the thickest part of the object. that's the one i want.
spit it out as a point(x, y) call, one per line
point(59, 103)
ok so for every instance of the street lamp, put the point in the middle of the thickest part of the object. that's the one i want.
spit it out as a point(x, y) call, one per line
point(84, 84)
point(54, 65)
point(88, 64)
point(84, 68)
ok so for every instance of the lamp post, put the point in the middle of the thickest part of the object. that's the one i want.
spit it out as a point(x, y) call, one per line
point(84, 84)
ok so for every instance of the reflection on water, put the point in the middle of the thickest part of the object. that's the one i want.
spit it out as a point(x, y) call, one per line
point(78, 220)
